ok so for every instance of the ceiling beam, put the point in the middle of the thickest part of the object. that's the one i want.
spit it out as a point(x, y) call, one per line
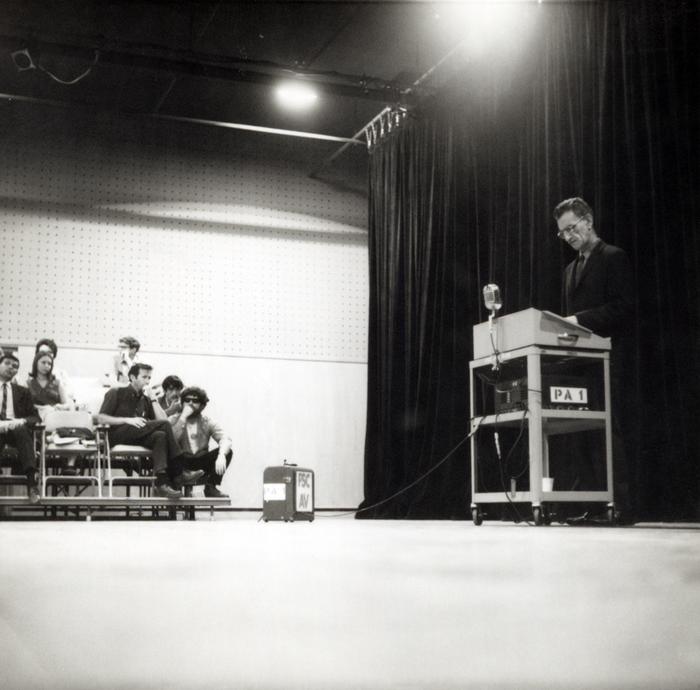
point(18, 98)
point(204, 65)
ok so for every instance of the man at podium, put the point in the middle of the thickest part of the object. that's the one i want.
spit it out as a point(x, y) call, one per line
point(598, 293)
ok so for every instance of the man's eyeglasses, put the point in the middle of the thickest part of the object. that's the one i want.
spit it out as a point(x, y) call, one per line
point(191, 400)
point(569, 229)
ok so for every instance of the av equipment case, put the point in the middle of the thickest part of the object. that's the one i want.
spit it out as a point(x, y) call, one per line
point(288, 493)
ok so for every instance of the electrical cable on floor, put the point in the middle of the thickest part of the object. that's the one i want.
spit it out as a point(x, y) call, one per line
point(501, 464)
point(413, 483)
point(518, 516)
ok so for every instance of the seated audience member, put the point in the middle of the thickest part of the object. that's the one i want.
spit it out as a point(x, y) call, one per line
point(48, 393)
point(193, 431)
point(17, 414)
point(169, 399)
point(125, 358)
point(135, 420)
point(49, 346)
point(46, 390)
point(9, 351)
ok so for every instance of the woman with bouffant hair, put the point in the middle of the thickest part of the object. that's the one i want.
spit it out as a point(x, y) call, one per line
point(47, 391)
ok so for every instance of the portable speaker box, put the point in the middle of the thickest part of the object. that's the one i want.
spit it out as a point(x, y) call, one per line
point(288, 493)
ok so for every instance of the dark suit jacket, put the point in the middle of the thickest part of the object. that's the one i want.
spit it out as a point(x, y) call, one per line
point(23, 404)
point(603, 299)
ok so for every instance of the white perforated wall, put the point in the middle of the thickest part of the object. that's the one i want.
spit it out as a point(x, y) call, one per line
point(188, 252)
point(235, 270)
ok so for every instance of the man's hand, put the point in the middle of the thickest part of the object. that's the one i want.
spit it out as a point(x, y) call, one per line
point(571, 319)
point(9, 424)
point(149, 393)
point(138, 422)
point(220, 465)
point(187, 410)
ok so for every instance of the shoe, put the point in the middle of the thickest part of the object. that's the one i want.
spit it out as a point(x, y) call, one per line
point(33, 486)
point(33, 493)
point(164, 490)
point(602, 519)
point(210, 491)
point(622, 518)
point(188, 478)
point(626, 519)
point(579, 520)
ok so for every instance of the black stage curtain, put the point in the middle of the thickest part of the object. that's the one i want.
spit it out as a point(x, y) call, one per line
point(600, 102)
point(417, 406)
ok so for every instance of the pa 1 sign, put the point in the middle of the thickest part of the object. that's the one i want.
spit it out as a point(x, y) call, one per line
point(564, 395)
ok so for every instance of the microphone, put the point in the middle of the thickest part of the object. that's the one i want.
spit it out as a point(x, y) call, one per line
point(492, 298)
point(493, 302)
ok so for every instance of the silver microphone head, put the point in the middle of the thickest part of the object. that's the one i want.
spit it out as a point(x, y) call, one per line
point(492, 297)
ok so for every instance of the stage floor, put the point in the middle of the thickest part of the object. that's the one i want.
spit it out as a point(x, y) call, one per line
point(340, 603)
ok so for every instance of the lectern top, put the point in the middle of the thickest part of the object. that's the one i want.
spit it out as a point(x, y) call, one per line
point(567, 325)
point(533, 327)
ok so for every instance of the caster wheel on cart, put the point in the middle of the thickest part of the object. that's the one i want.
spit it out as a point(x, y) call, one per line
point(537, 515)
point(610, 514)
point(546, 516)
point(477, 516)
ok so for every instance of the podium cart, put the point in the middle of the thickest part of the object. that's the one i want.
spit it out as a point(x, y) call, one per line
point(543, 383)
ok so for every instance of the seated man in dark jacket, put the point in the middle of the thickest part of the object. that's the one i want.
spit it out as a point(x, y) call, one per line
point(137, 420)
point(17, 415)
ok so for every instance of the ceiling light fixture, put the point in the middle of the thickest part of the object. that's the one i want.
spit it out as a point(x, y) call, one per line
point(296, 96)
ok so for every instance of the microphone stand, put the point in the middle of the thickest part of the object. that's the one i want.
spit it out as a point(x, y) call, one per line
point(496, 364)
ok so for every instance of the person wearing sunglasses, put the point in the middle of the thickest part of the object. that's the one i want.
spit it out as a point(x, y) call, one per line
point(598, 293)
point(193, 430)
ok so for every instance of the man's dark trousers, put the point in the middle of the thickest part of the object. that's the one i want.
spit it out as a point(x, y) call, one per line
point(21, 438)
point(156, 435)
point(206, 461)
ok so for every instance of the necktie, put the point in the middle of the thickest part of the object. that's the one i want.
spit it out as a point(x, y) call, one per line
point(579, 267)
point(3, 409)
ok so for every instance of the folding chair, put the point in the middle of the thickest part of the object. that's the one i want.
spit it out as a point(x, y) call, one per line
point(127, 458)
point(71, 434)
